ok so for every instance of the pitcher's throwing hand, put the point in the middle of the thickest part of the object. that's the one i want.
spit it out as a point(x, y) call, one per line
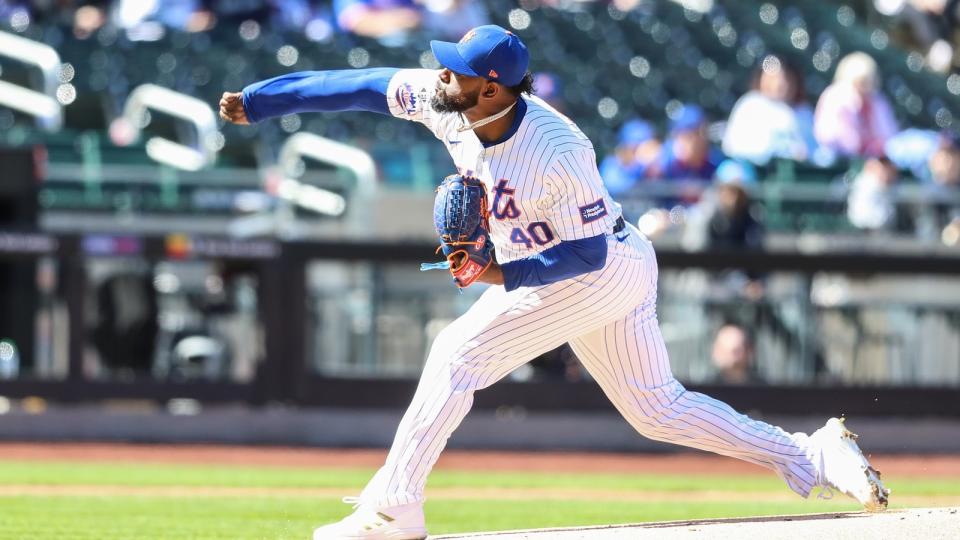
point(231, 108)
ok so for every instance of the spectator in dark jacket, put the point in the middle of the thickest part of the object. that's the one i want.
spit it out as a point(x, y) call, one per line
point(732, 225)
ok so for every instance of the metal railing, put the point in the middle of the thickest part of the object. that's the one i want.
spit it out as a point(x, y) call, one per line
point(41, 104)
point(347, 324)
point(188, 157)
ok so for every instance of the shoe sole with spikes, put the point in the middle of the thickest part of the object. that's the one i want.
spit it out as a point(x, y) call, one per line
point(843, 448)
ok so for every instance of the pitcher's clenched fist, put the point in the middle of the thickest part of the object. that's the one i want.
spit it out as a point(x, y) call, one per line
point(231, 108)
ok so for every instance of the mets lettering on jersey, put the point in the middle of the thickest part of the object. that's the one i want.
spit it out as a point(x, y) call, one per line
point(407, 98)
point(501, 209)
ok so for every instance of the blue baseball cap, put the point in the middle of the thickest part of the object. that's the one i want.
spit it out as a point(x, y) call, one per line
point(636, 131)
point(735, 172)
point(488, 51)
point(688, 117)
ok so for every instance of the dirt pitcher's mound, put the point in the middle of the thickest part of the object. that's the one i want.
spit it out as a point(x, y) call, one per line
point(919, 523)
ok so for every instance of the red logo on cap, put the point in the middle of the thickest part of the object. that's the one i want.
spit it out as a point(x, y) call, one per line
point(468, 36)
point(493, 74)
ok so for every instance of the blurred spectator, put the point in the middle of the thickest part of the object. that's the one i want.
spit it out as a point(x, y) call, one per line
point(731, 224)
point(911, 149)
point(145, 19)
point(871, 203)
point(380, 19)
point(931, 24)
point(944, 163)
point(853, 118)
point(725, 219)
point(312, 17)
point(944, 176)
point(259, 10)
point(687, 153)
point(935, 159)
point(773, 119)
point(86, 16)
point(636, 150)
point(733, 356)
point(451, 19)
point(140, 17)
point(89, 18)
point(929, 155)
point(549, 88)
point(951, 233)
point(575, 5)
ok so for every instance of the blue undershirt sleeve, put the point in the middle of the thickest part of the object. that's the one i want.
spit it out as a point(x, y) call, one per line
point(319, 91)
point(563, 261)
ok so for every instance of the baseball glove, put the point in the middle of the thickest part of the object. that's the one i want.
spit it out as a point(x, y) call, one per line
point(460, 217)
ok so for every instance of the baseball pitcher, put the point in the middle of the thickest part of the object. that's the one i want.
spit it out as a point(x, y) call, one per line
point(567, 269)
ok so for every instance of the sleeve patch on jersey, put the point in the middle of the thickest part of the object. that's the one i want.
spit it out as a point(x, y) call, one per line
point(407, 99)
point(593, 211)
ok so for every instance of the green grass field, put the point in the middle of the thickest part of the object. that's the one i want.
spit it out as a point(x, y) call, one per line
point(97, 501)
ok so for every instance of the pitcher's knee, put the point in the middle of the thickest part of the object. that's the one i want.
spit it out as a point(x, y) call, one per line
point(463, 367)
point(465, 374)
point(656, 401)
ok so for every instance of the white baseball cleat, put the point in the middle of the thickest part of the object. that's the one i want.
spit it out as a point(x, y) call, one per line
point(365, 523)
point(841, 465)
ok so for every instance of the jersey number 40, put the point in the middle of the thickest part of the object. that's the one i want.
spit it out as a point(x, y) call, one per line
point(538, 231)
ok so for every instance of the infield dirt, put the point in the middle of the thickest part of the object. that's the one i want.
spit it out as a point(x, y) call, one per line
point(912, 524)
point(680, 463)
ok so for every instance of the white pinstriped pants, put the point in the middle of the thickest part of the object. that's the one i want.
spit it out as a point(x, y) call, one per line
point(609, 319)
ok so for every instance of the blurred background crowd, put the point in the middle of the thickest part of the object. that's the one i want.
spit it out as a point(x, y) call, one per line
point(850, 125)
point(719, 125)
point(314, 18)
point(771, 82)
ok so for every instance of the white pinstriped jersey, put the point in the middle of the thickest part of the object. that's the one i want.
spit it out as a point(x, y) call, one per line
point(542, 183)
point(544, 188)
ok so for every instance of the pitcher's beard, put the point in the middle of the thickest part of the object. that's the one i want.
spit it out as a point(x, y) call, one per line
point(441, 102)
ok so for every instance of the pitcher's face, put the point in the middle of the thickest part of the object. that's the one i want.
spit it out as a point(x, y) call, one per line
point(456, 93)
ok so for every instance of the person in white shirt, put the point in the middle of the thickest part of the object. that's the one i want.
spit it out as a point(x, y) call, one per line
point(871, 204)
point(773, 119)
